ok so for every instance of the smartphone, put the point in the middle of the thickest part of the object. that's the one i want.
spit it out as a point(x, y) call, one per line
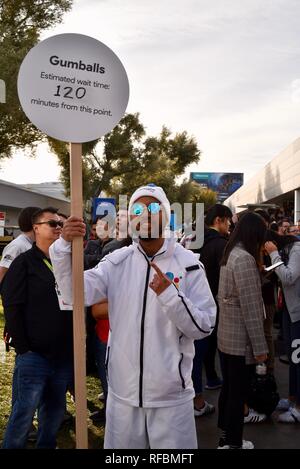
point(273, 266)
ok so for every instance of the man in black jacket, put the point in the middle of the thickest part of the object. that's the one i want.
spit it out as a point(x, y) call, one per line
point(93, 249)
point(217, 222)
point(41, 330)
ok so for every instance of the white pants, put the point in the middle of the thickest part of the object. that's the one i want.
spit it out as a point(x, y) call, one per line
point(156, 428)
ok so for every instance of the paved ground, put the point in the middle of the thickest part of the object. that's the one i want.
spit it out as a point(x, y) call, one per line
point(266, 435)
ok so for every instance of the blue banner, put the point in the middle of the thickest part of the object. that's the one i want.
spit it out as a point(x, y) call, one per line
point(224, 184)
point(104, 206)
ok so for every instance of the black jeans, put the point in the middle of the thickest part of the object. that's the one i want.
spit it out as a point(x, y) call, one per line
point(233, 397)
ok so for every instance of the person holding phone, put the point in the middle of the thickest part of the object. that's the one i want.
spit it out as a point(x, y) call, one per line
point(287, 249)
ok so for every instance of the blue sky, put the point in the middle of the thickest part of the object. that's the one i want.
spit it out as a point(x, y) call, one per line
point(226, 71)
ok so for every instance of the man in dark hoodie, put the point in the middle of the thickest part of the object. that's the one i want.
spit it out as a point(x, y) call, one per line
point(217, 222)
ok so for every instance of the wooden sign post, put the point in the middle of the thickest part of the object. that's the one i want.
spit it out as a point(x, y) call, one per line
point(75, 89)
point(78, 300)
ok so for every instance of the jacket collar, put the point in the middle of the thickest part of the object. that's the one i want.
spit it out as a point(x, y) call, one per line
point(38, 252)
point(165, 251)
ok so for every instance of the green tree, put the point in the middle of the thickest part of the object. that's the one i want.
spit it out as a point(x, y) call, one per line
point(126, 158)
point(206, 196)
point(190, 191)
point(21, 22)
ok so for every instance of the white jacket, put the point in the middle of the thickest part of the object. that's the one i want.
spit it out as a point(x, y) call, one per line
point(151, 342)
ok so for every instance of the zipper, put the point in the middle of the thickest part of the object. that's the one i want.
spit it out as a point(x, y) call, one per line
point(142, 337)
point(180, 373)
point(106, 362)
point(143, 327)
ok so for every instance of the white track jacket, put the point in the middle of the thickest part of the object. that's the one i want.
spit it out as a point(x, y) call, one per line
point(151, 341)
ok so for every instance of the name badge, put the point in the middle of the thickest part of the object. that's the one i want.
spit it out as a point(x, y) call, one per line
point(63, 306)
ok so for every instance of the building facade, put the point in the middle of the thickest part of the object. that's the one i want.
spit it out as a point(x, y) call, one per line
point(277, 183)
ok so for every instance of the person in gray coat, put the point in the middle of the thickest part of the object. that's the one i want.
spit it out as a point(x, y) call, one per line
point(287, 249)
point(241, 338)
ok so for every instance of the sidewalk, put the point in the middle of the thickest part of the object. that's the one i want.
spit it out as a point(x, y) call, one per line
point(266, 435)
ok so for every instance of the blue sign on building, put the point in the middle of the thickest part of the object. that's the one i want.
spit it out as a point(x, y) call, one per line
point(104, 206)
point(224, 184)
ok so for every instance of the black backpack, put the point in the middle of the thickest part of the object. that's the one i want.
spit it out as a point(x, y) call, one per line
point(263, 395)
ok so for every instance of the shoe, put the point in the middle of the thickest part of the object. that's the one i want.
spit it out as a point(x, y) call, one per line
point(101, 396)
point(246, 445)
point(284, 404)
point(290, 416)
point(254, 417)
point(214, 384)
point(284, 359)
point(205, 410)
point(98, 416)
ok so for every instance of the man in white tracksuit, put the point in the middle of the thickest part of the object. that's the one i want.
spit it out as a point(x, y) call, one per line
point(159, 303)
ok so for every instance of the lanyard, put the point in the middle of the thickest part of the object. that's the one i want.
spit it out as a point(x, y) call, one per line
point(48, 264)
point(62, 305)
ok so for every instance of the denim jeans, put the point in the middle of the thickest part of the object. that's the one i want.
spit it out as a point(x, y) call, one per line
point(100, 354)
point(38, 384)
point(291, 331)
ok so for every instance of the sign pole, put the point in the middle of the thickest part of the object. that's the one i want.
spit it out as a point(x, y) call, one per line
point(88, 100)
point(78, 301)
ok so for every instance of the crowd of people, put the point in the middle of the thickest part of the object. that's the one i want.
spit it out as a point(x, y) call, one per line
point(157, 313)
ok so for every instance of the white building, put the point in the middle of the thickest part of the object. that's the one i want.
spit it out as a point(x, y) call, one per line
point(15, 197)
point(277, 182)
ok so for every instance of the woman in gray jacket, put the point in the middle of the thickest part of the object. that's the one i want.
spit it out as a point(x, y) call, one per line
point(241, 338)
point(287, 248)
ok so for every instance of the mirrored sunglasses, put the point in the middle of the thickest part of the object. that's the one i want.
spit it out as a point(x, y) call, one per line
point(138, 209)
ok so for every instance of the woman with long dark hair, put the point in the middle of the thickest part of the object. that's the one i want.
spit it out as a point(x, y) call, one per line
point(241, 338)
point(287, 249)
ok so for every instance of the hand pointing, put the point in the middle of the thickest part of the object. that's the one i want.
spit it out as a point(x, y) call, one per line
point(160, 281)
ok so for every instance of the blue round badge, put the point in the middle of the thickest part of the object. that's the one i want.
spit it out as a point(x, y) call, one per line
point(170, 275)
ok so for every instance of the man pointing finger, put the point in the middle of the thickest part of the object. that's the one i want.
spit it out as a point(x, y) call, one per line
point(159, 303)
point(160, 281)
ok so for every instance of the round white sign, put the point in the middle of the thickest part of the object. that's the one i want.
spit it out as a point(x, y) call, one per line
point(73, 88)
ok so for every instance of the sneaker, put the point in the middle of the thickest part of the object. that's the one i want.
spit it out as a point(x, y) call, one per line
point(254, 417)
point(284, 404)
point(214, 384)
point(290, 416)
point(246, 445)
point(205, 410)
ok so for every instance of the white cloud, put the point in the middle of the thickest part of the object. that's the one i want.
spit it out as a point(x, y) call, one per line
point(226, 71)
point(22, 169)
point(295, 91)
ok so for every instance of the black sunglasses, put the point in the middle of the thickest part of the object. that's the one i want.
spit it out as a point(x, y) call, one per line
point(51, 223)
